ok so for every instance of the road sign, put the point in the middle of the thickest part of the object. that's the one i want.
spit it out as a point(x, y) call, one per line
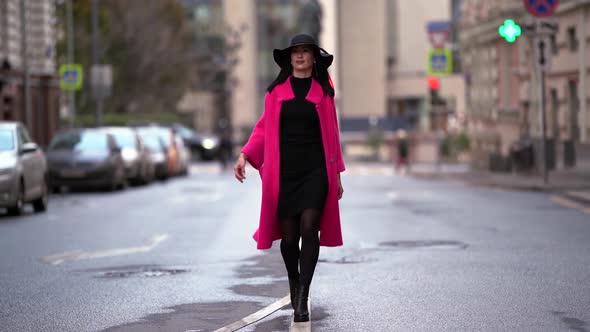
point(541, 8)
point(438, 33)
point(542, 53)
point(71, 77)
point(541, 26)
point(101, 80)
point(440, 61)
point(510, 31)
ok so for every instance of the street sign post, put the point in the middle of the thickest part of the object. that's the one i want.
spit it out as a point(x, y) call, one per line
point(542, 51)
point(541, 29)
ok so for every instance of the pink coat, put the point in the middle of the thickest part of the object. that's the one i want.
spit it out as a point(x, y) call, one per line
point(262, 151)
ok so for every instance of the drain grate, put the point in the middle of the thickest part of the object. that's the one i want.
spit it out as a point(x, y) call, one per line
point(426, 244)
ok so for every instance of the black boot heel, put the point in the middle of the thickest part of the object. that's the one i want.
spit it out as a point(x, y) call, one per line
point(293, 289)
point(301, 313)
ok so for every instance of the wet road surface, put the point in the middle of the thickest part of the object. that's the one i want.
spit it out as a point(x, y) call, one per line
point(176, 256)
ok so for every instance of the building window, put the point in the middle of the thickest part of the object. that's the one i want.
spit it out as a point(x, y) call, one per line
point(572, 39)
point(554, 47)
point(555, 112)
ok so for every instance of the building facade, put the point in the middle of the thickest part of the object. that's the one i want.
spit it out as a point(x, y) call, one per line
point(37, 34)
point(380, 68)
point(503, 83)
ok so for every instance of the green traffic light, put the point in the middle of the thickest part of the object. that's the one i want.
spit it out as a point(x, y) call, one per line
point(510, 31)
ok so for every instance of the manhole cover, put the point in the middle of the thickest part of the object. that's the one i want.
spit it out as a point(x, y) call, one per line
point(140, 272)
point(426, 244)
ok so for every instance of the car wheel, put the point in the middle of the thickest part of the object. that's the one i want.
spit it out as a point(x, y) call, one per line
point(40, 204)
point(19, 206)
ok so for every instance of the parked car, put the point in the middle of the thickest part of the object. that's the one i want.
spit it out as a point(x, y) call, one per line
point(85, 158)
point(23, 170)
point(139, 167)
point(203, 147)
point(172, 154)
point(157, 149)
point(184, 156)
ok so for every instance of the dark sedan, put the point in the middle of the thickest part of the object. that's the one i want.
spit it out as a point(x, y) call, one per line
point(85, 158)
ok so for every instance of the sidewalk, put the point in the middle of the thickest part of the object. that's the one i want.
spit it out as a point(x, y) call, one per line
point(574, 182)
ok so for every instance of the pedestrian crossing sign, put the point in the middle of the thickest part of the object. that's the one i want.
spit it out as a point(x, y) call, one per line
point(440, 61)
point(71, 77)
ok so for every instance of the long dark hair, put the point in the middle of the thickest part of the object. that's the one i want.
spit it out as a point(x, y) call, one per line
point(320, 73)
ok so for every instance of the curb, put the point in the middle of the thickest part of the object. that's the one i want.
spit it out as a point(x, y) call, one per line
point(536, 187)
point(580, 197)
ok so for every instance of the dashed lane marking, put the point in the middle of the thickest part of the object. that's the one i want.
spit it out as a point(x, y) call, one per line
point(76, 255)
point(570, 204)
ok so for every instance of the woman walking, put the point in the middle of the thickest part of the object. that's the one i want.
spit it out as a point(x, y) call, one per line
point(295, 146)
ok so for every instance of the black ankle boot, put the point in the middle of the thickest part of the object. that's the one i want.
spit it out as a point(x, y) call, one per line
point(293, 289)
point(301, 313)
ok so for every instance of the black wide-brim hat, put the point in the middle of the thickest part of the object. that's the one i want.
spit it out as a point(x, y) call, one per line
point(283, 57)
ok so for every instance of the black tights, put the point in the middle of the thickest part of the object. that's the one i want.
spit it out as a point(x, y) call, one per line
point(301, 264)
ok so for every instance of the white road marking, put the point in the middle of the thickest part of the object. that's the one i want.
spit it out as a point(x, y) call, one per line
point(76, 255)
point(253, 318)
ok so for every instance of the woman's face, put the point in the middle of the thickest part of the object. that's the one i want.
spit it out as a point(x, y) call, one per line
point(302, 58)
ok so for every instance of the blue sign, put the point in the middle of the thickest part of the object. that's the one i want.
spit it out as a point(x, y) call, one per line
point(541, 8)
point(71, 77)
point(440, 62)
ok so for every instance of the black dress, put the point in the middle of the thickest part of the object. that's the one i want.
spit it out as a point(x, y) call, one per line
point(303, 177)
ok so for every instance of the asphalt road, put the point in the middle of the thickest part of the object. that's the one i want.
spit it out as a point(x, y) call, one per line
point(177, 256)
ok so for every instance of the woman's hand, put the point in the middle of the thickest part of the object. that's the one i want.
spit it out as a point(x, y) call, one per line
point(240, 168)
point(340, 189)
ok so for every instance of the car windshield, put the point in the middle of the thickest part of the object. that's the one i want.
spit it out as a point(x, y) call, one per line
point(84, 141)
point(152, 142)
point(165, 135)
point(185, 132)
point(6, 140)
point(125, 139)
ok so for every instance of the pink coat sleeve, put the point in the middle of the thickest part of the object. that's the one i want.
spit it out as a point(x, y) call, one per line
point(339, 160)
point(254, 148)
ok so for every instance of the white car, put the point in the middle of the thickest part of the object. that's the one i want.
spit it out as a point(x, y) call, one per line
point(23, 170)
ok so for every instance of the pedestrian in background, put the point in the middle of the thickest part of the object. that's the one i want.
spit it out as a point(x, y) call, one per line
point(225, 148)
point(403, 151)
point(295, 146)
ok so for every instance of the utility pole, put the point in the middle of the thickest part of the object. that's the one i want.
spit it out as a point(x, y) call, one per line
point(70, 27)
point(25, 63)
point(95, 51)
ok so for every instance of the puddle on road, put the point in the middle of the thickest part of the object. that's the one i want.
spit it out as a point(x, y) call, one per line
point(195, 317)
point(572, 323)
point(137, 271)
point(269, 273)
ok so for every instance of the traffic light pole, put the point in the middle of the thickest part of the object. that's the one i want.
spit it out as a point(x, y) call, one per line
point(543, 129)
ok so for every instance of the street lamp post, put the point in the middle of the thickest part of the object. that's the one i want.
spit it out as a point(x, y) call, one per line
point(70, 27)
point(95, 47)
